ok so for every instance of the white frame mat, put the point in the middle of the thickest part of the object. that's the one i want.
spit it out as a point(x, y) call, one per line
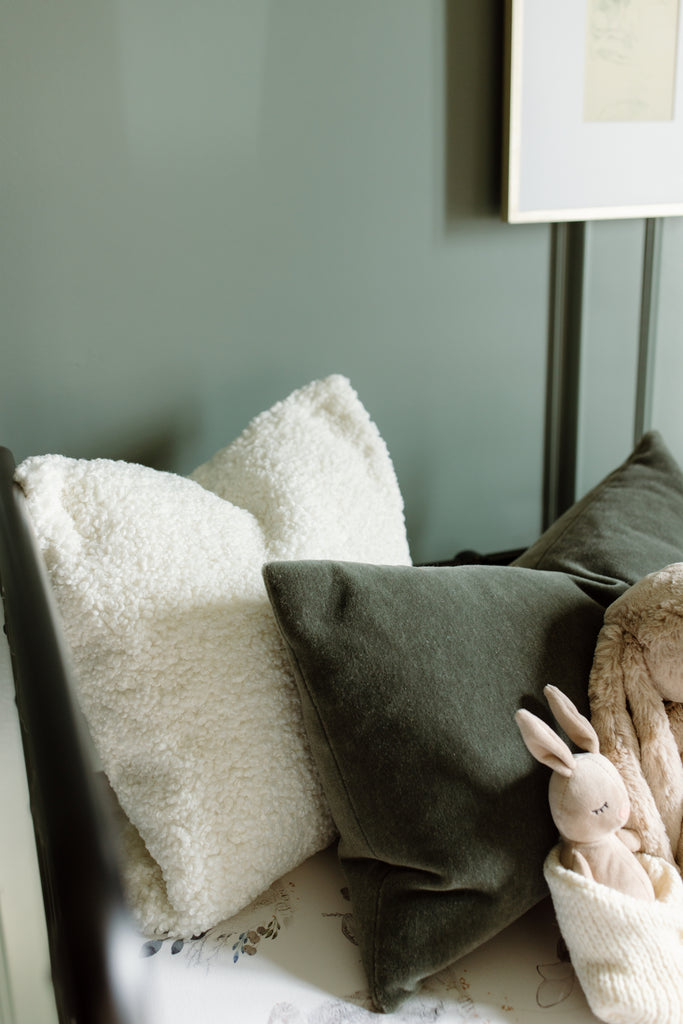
point(578, 143)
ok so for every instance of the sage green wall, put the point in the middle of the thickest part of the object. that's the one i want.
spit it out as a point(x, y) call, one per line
point(667, 399)
point(207, 205)
point(609, 365)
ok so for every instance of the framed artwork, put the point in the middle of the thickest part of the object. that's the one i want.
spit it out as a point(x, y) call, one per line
point(593, 110)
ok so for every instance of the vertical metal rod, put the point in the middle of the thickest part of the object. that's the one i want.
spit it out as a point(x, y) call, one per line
point(558, 245)
point(568, 248)
point(647, 337)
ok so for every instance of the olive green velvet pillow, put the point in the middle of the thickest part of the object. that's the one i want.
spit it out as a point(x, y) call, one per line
point(409, 679)
point(621, 529)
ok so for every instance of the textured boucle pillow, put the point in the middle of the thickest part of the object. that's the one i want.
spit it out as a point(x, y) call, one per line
point(182, 675)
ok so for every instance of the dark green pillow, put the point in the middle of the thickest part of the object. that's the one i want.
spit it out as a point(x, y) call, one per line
point(622, 529)
point(410, 678)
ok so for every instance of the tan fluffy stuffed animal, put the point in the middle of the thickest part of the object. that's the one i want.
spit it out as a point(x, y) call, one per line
point(636, 700)
point(588, 799)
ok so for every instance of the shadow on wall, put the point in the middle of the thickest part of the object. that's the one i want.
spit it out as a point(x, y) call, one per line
point(473, 41)
point(164, 442)
point(158, 450)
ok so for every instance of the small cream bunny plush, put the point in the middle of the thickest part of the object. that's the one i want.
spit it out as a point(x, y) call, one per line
point(588, 799)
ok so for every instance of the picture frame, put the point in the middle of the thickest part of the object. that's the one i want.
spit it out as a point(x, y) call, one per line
point(593, 110)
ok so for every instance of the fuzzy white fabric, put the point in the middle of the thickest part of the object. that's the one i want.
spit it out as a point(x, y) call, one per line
point(183, 677)
point(636, 699)
point(627, 953)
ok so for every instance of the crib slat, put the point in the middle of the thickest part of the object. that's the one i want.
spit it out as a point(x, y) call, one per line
point(87, 920)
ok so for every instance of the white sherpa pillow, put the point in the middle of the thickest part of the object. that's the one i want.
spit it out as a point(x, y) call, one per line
point(182, 674)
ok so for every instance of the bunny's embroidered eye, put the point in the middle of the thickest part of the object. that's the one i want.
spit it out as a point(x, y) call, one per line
point(601, 810)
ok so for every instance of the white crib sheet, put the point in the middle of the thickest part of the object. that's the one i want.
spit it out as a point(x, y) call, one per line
point(290, 958)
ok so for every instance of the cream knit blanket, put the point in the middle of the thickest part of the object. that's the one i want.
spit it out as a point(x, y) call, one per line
point(627, 953)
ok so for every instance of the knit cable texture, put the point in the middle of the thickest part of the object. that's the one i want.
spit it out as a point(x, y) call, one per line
point(627, 953)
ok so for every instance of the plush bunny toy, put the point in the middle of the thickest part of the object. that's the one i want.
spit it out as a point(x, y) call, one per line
point(588, 799)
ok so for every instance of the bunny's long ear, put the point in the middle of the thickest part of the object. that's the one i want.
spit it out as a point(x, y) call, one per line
point(544, 744)
point(576, 725)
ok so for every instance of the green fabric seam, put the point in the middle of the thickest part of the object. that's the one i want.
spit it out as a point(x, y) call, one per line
point(375, 931)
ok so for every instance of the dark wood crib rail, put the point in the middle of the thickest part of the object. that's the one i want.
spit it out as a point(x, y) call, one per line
point(87, 919)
